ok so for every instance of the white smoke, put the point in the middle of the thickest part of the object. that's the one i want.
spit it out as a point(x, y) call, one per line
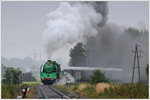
point(69, 24)
point(107, 46)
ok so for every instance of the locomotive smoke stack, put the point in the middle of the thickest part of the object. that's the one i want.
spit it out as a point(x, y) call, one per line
point(71, 23)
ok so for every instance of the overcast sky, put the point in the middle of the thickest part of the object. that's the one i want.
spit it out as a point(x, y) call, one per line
point(23, 23)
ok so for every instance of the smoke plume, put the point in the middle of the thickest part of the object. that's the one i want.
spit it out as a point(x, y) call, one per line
point(113, 49)
point(71, 23)
point(108, 45)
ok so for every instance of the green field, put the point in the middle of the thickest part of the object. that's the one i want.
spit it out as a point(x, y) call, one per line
point(33, 83)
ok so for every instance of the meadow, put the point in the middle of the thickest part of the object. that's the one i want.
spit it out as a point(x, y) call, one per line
point(107, 90)
point(33, 83)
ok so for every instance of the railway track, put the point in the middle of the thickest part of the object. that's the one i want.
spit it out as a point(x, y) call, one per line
point(47, 92)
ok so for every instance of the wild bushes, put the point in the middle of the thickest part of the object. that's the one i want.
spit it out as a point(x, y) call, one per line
point(9, 91)
point(98, 77)
point(135, 90)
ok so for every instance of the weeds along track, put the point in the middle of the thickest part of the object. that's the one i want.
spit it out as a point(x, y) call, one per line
point(47, 92)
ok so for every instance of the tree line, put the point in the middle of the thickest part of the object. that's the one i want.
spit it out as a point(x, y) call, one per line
point(16, 76)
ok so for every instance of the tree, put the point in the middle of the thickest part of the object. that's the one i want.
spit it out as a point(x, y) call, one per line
point(78, 55)
point(134, 32)
point(12, 75)
point(97, 77)
point(27, 77)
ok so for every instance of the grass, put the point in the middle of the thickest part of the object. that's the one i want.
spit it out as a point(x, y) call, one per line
point(75, 87)
point(62, 88)
point(9, 91)
point(33, 83)
point(135, 90)
point(38, 80)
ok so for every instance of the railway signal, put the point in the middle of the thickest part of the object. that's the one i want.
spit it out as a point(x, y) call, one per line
point(78, 76)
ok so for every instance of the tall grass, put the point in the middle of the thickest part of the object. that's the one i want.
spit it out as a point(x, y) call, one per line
point(135, 90)
point(9, 91)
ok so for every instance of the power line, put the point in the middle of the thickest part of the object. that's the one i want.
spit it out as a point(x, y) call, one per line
point(136, 57)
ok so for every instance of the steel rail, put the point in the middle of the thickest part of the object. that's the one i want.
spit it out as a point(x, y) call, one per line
point(61, 94)
point(53, 90)
point(42, 92)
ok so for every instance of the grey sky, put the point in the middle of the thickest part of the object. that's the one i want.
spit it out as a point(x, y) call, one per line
point(129, 13)
point(23, 23)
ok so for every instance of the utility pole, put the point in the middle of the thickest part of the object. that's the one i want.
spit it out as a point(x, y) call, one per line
point(136, 57)
point(22, 77)
point(19, 79)
point(87, 62)
point(11, 75)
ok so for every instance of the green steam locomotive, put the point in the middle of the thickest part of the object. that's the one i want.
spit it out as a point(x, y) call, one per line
point(50, 72)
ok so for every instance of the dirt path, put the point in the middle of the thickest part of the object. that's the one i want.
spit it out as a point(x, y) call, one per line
point(33, 92)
